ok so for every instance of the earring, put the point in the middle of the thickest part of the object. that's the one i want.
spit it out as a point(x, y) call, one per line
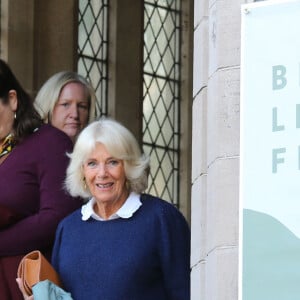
point(84, 183)
point(127, 185)
point(15, 115)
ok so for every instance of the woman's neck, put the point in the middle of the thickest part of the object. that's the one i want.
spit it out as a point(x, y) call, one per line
point(106, 209)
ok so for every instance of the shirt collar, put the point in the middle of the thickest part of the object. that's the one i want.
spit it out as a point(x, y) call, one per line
point(130, 206)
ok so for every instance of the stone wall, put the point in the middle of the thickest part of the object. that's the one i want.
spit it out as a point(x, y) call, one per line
point(215, 168)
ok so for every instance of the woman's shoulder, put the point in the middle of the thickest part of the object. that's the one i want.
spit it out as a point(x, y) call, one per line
point(50, 137)
point(159, 205)
point(155, 201)
point(71, 219)
point(164, 212)
point(49, 131)
point(70, 224)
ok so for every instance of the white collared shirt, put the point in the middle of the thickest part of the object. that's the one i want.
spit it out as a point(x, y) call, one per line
point(130, 206)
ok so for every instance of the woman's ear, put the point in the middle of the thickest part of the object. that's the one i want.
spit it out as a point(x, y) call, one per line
point(13, 100)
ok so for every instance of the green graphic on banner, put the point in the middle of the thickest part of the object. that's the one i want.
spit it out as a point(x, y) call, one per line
point(271, 259)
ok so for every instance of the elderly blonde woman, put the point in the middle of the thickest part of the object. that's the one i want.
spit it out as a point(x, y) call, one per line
point(122, 244)
point(66, 101)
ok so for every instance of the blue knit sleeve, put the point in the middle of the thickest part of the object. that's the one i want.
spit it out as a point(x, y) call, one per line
point(56, 247)
point(174, 245)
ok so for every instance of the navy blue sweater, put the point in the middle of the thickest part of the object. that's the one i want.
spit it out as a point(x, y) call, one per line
point(144, 257)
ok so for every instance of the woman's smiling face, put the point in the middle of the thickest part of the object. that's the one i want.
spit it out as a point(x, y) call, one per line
point(105, 177)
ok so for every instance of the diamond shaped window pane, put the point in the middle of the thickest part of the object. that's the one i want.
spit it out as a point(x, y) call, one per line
point(92, 48)
point(161, 113)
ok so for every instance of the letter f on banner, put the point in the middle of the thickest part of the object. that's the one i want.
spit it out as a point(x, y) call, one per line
point(275, 159)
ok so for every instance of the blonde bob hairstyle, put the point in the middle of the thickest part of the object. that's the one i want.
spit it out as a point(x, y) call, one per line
point(49, 93)
point(120, 143)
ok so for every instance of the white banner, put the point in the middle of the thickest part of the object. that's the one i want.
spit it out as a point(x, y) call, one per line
point(270, 151)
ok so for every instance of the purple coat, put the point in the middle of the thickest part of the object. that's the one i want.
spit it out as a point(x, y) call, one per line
point(31, 185)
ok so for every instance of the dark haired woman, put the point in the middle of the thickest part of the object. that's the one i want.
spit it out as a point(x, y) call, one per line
point(33, 163)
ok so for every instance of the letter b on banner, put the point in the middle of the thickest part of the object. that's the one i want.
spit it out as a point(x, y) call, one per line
point(279, 79)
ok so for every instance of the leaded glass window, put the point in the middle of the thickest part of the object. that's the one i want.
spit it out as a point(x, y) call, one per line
point(161, 99)
point(93, 48)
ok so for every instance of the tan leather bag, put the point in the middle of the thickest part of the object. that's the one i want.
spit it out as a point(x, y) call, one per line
point(33, 268)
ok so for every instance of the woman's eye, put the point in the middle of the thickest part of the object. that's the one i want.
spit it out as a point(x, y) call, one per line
point(65, 104)
point(113, 163)
point(83, 106)
point(90, 163)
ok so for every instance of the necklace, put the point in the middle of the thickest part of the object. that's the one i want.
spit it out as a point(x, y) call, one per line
point(7, 145)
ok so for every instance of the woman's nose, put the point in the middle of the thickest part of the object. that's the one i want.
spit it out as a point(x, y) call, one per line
point(101, 170)
point(74, 111)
